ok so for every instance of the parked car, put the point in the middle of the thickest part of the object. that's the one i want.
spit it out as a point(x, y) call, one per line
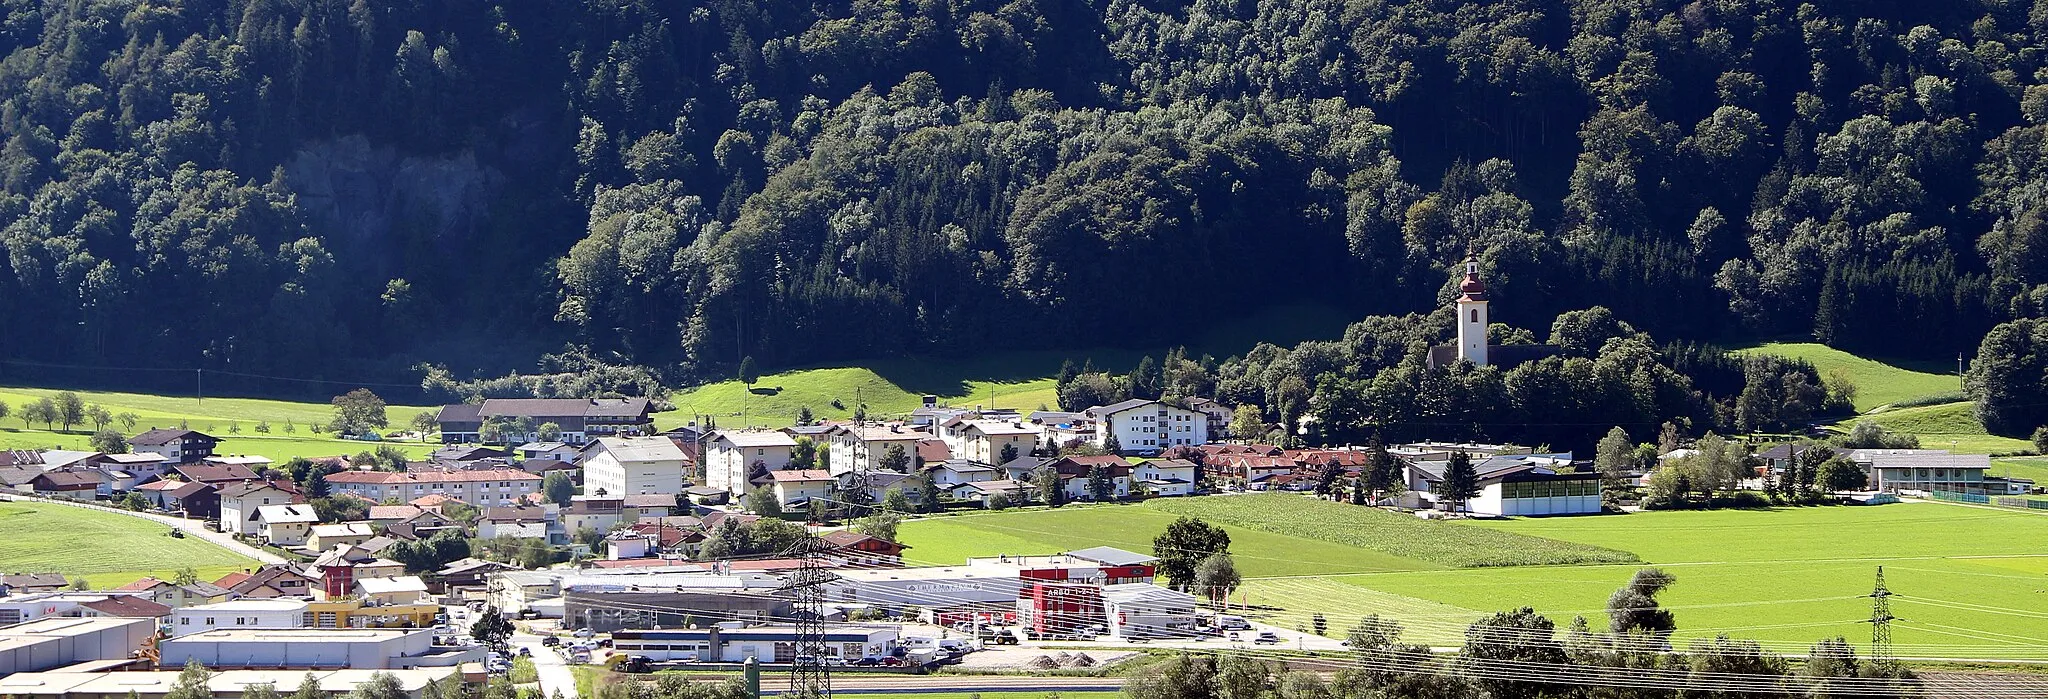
point(525, 652)
point(869, 661)
point(585, 632)
point(1267, 637)
point(1233, 636)
point(550, 641)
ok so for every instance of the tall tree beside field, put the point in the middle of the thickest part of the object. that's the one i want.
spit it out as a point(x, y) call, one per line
point(99, 416)
point(109, 442)
point(1461, 483)
point(1839, 475)
point(70, 409)
point(41, 410)
point(1382, 469)
point(1183, 546)
point(6, 410)
point(1633, 609)
point(128, 421)
point(748, 372)
point(1216, 577)
point(425, 422)
point(1614, 456)
point(928, 493)
point(2008, 379)
point(358, 412)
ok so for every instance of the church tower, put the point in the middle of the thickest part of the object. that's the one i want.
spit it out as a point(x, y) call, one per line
point(1472, 313)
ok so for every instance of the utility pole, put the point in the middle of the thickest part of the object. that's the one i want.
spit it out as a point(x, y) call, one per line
point(809, 676)
point(199, 377)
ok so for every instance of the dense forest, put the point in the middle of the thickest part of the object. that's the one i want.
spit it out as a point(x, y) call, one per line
point(348, 188)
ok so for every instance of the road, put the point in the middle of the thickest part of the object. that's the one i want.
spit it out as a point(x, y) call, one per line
point(191, 527)
point(554, 672)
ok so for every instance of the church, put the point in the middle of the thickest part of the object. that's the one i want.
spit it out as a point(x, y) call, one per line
point(1472, 321)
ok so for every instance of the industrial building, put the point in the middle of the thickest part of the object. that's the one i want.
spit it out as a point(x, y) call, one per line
point(1145, 610)
point(670, 600)
point(372, 649)
point(765, 643)
point(57, 642)
point(228, 684)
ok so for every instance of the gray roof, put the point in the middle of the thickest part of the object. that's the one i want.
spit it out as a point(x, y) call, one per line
point(643, 449)
point(1976, 462)
point(756, 438)
point(1112, 556)
point(162, 436)
point(1117, 407)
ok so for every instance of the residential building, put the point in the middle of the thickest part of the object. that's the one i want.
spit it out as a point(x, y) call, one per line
point(862, 447)
point(143, 466)
point(957, 471)
point(1018, 492)
point(1148, 426)
point(524, 522)
point(989, 441)
point(269, 581)
point(796, 488)
point(33, 582)
point(175, 445)
point(481, 487)
point(621, 466)
point(322, 537)
point(396, 590)
point(197, 500)
point(217, 474)
point(732, 458)
point(557, 451)
point(68, 483)
point(241, 502)
point(1076, 472)
point(286, 525)
point(1217, 415)
point(1058, 429)
point(579, 419)
point(177, 596)
point(1167, 477)
point(859, 550)
point(276, 613)
point(22, 607)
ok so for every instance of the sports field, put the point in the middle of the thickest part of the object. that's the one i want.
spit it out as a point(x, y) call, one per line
point(220, 417)
point(108, 548)
point(1969, 582)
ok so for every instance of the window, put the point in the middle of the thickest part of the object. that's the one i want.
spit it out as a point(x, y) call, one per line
point(1475, 315)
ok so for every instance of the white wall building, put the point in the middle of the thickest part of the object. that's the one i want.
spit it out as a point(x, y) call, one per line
point(1167, 476)
point(274, 613)
point(730, 455)
point(1535, 494)
point(984, 440)
point(1145, 610)
point(239, 503)
point(620, 466)
point(360, 649)
point(861, 447)
point(286, 525)
point(1148, 426)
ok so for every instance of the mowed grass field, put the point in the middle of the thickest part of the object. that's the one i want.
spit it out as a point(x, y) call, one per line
point(108, 548)
point(1952, 426)
point(1969, 582)
point(1878, 382)
point(215, 416)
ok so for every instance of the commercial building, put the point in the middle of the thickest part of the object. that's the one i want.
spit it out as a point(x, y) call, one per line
point(1145, 610)
point(768, 644)
point(275, 613)
point(670, 600)
point(361, 649)
point(58, 642)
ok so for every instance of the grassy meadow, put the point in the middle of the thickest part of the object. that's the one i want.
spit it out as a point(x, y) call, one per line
point(1970, 582)
point(1952, 426)
point(108, 548)
point(1878, 382)
point(220, 417)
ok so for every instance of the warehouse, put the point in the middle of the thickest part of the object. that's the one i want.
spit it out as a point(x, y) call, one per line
point(361, 649)
point(229, 684)
point(60, 641)
point(766, 643)
point(1145, 610)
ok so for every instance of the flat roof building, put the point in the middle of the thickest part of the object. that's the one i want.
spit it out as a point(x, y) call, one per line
point(227, 684)
point(361, 649)
point(56, 642)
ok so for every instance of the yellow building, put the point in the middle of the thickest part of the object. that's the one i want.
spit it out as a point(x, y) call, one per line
point(353, 614)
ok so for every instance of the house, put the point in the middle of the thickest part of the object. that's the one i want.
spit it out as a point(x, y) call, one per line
point(203, 472)
point(557, 451)
point(468, 452)
point(479, 487)
point(1148, 426)
point(528, 522)
point(469, 573)
point(180, 445)
point(1892, 470)
point(578, 419)
point(863, 551)
point(21, 583)
point(67, 483)
point(732, 459)
point(322, 537)
point(1018, 492)
point(124, 607)
point(239, 614)
point(240, 502)
point(196, 500)
point(1075, 472)
point(1217, 414)
point(286, 525)
point(989, 441)
point(954, 472)
point(268, 582)
point(875, 485)
point(863, 447)
point(404, 589)
point(1023, 468)
point(16, 478)
point(144, 466)
point(392, 514)
point(1167, 477)
point(1058, 429)
point(795, 488)
point(931, 450)
point(174, 595)
point(634, 466)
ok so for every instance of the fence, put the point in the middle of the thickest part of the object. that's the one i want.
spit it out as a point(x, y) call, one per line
point(1992, 500)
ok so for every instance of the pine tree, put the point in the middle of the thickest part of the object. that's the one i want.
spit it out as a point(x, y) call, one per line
point(1461, 483)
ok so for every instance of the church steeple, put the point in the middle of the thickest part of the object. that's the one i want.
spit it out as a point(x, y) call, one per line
point(1472, 319)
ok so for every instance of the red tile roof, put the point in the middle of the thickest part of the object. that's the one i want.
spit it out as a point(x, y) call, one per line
point(130, 606)
point(443, 476)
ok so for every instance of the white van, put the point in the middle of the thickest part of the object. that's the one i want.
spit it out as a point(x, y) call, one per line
point(1232, 623)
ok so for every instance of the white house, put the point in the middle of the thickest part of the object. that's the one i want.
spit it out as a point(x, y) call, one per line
point(557, 451)
point(621, 466)
point(798, 487)
point(957, 471)
point(729, 456)
point(286, 525)
point(861, 447)
point(1148, 426)
point(524, 522)
point(1218, 414)
point(1167, 476)
point(272, 613)
point(984, 440)
point(403, 589)
point(239, 503)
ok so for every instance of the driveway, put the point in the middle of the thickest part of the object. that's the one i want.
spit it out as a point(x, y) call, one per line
point(554, 672)
point(191, 527)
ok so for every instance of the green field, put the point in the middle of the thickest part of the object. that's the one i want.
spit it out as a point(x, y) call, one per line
point(1952, 426)
point(108, 548)
point(1406, 536)
point(1970, 582)
point(2034, 467)
point(1877, 382)
point(1022, 380)
point(216, 416)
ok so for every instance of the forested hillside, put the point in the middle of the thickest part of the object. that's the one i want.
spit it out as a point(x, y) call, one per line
point(344, 189)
